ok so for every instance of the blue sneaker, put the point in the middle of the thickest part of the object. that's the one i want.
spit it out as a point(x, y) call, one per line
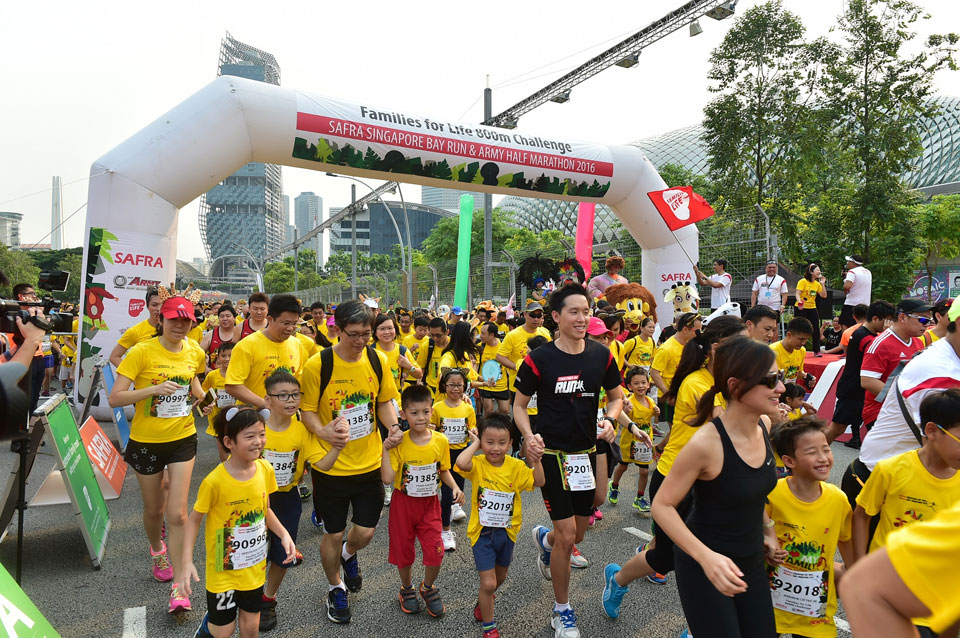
point(612, 592)
point(642, 505)
point(352, 577)
point(613, 494)
point(338, 609)
point(686, 634)
point(655, 578)
point(203, 631)
point(564, 624)
point(543, 560)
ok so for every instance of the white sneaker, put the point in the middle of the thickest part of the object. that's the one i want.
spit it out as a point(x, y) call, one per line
point(449, 540)
point(387, 493)
point(457, 514)
point(564, 624)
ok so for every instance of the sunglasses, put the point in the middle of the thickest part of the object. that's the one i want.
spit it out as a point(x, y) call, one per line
point(771, 380)
point(920, 318)
point(536, 315)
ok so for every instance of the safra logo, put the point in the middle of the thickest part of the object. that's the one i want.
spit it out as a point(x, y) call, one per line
point(569, 385)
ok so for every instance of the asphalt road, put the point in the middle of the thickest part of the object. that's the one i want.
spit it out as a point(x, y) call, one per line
point(122, 598)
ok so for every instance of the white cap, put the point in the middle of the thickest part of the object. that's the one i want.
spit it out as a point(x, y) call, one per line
point(371, 303)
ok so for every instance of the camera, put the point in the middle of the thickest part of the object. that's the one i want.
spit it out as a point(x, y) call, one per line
point(54, 320)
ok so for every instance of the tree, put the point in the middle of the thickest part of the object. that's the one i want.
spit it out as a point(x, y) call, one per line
point(441, 244)
point(939, 230)
point(19, 269)
point(278, 277)
point(71, 263)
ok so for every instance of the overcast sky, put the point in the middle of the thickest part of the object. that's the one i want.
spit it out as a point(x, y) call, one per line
point(80, 77)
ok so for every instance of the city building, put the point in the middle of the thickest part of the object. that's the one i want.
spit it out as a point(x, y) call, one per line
point(447, 198)
point(243, 216)
point(10, 229)
point(376, 233)
point(308, 213)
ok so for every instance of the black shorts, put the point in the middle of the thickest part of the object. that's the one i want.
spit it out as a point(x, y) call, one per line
point(151, 458)
point(563, 503)
point(849, 412)
point(334, 495)
point(287, 507)
point(666, 413)
point(502, 395)
point(603, 447)
point(222, 606)
point(846, 316)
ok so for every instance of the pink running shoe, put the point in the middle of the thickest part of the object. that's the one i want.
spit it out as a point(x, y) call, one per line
point(597, 514)
point(178, 601)
point(162, 569)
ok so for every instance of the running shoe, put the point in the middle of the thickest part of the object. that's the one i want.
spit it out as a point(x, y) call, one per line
point(178, 600)
point(476, 611)
point(657, 431)
point(564, 624)
point(597, 514)
point(612, 592)
point(297, 559)
point(338, 609)
point(642, 505)
point(268, 614)
point(592, 520)
point(577, 559)
point(408, 600)
point(304, 492)
point(162, 569)
point(203, 631)
point(457, 514)
point(449, 540)
point(491, 633)
point(613, 494)
point(686, 634)
point(387, 494)
point(352, 577)
point(431, 597)
point(543, 560)
point(657, 578)
point(317, 522)
point(853, 443)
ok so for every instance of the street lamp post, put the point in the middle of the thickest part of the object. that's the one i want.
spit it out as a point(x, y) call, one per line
point(353, 242)
point(406, 223)
point(258, 270)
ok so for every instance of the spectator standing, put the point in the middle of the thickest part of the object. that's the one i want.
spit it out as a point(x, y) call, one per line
point(770, 288)
point(719, 282)
point(812, 285)
point(857, 285)
point(599, 284)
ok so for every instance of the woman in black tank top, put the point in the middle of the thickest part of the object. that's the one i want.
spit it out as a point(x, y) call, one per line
point(729, 465)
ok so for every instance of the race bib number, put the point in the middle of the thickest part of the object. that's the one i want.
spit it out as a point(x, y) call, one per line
point(225, 399)
point(640, 452)
point(532, 404)
point(455, 429)
point(246, 546)
point(577, 473)
point(801, 593)
point(175, 405)
point(421, 480)
point(494, 508)
point(284, 465)
point(600, 415)
point(358, 419)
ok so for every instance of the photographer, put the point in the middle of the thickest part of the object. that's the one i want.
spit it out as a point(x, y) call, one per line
point(30, 352)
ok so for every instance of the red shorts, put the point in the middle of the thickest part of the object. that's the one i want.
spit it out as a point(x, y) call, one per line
point(411, 518)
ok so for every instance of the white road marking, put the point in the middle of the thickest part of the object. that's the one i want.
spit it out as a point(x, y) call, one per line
point(842, 624)
point(135, 622)
point(638, 533)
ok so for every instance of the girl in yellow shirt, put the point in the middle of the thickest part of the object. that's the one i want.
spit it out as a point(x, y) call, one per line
point(453, 416)
point(634, 448)
point(812, 284)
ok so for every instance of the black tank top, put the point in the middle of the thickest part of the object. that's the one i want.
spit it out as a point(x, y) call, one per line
point(727, 513)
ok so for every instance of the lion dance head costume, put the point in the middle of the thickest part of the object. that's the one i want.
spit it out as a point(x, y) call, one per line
point(636, 301)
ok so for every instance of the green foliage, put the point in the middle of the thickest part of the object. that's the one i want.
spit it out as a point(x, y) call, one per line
point(938, 224)
point(71, 263)
point(19, 269)
point(441, 244)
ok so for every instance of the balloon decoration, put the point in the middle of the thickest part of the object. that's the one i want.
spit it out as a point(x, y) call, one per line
point(585, 215)
point(463, 251)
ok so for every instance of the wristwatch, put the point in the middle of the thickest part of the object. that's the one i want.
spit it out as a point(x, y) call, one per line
point(610, 420)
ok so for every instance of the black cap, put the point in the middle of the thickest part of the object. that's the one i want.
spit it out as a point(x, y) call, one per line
point(913, 304)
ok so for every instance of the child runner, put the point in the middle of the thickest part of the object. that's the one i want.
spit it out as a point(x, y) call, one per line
point(639, 350)
point(235, 498)
point(452, 417)
point(216, 381)
point(416, 467)
point(636, 420)
point(812, 520)
point(497, 480)
point(790, 350)
point(792, 398)
point(288, 445)
point(915, 485)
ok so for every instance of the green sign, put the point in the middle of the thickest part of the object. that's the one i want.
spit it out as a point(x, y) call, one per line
point(19, 617)
point(80, 479)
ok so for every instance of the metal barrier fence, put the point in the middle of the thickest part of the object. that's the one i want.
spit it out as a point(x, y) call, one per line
point(741, 236)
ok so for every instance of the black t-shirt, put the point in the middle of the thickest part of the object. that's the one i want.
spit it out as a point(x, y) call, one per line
point(848, 387)
point(831, 338)
point(568, 392)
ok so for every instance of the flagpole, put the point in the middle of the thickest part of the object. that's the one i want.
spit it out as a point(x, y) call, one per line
point(679, 243)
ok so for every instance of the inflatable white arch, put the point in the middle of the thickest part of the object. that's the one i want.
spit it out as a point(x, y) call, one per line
point(137, 189)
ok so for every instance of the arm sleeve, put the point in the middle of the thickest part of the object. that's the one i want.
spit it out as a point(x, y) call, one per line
point(523, 477)
point(270, 477)
point(873, 365)
point(239, 366)
point(756, 285)
point(310, 385)
point(874, 491)
point(128, 339)
point(851, 276)
point(205, 496)
point(207, 382)
point(783, 286)
point(132, 364)
point(395, 460)
point(471, 417)
point(660, 360)
point(846, 528)
point(528, 377)
point(611, 376)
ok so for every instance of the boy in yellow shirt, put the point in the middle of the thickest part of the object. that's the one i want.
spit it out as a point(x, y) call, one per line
point(791, 352)
point(497, 480)
point(634, 447)
point(812, 520)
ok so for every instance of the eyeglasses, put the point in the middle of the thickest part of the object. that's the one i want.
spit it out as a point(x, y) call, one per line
point(923, 320)
point(286, 396)
point(944, 430)
point(454, 386)
point(772, 379)
point(358, 335)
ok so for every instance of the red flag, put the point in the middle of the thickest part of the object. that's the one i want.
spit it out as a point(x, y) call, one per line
point(680, 206)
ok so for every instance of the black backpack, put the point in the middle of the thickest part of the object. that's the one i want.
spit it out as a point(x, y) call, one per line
point(326, 371)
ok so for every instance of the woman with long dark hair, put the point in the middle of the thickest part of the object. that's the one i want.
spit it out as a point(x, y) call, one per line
point(461, 351)
point(812, 285)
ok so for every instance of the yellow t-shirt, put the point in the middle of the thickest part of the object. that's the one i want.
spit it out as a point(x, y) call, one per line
point(924, 556)
point(410, 340)
point(902, 491)
point(287, 451)
point(215, 381)
point(353, 393)
point(454, 422)
point(790, 363)
point(410, 462)
point(488, 353)
point(448, 360)
point(236, 527)
point(513, 477)
point(309, 345)
point(137, 333)
point(809, 533)
point(431, 369)
point(616, 348)
point(693, 387)
point(637, 352)
point(929, 337)
point(514, 348)
point(807, 292)
point(149, 363)
point(256, 357)
point(196, 334)
point(641, 413)
point(666, 360)
point(393, 363)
